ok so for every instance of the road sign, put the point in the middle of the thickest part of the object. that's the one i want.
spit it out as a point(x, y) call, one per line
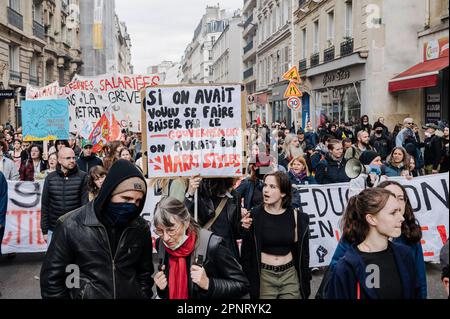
point(251, 99)
point(293, 75)
point(292, 90)
point(294, 103)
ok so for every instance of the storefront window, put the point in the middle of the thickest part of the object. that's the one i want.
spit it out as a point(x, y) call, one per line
point(281, 112)
point(340, 104)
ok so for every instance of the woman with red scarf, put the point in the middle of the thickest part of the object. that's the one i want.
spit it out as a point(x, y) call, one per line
point(218, 276)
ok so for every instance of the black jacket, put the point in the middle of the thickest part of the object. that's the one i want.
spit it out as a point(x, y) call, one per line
point(226, 278)
point(113, 263)
point(86, 163)
point(251, 253)
point(433, 151)
point(62, 194)
point(382, 144)
point(330, 172)
point(206, 211)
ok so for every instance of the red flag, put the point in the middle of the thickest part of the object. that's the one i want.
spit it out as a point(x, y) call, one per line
point(104, 132)
point(258, 121)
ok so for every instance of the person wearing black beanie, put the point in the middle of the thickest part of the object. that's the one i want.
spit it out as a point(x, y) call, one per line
point(371, 176)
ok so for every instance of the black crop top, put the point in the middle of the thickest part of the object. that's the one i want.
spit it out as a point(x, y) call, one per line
point(278, 233)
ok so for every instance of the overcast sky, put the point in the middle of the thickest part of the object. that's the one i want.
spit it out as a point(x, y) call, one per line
point(161, 29)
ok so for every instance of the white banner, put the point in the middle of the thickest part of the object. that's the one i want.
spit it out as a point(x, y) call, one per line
point(90, 97)
point(23, 232)
point(194, 130)
point(324, 203)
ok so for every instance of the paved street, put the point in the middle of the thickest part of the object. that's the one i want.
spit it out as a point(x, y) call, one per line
point(19, 278)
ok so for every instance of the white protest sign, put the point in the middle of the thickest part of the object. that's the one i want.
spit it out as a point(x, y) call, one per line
point(325, 204)
point(49, 92)
point(194, 130)
point(90, 97)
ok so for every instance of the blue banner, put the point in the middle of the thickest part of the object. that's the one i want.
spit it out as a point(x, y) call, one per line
point(45, 120)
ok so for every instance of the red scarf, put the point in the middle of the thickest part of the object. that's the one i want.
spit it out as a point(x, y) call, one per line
point(178, 273)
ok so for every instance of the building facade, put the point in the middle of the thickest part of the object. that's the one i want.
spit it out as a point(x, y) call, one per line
point(273, 59)
point(227, 53)
point(39, 44)
point(428, 78)
point(249, 34)
point(123, 47)
point(198, 59)
point(348, 53)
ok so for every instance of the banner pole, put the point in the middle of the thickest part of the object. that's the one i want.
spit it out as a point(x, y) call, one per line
point(196, 205)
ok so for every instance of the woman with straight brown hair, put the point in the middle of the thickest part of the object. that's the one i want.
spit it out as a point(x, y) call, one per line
point(373, 267)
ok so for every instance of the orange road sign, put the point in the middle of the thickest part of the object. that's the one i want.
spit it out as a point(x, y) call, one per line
point(293, 75)
point(292, 90)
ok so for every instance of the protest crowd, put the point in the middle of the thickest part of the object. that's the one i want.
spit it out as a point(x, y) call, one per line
point(250, 239)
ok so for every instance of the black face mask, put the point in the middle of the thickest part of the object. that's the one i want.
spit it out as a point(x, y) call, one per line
point(121, 214)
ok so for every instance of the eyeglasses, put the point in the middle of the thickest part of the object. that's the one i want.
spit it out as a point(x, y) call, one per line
point(69, 158)
point(171, 233)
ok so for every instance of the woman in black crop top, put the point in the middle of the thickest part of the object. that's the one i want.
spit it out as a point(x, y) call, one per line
point(275, 247)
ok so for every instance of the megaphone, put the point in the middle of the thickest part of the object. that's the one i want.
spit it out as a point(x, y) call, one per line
point(354, 168)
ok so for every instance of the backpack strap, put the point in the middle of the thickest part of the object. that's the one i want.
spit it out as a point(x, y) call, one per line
point(296, 223)
point(218, 211)
point(161, 253)
point(202, 247)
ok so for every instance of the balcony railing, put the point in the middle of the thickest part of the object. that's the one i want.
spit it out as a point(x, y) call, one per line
point(248, 21)
point(314, 59)
point(328, 54)
point(302, 65)
point(248, 73)
point(38, 30)
point(248, 47)
point(15, 18)
point(34, 80)
point(15, 76)
point(347, 47)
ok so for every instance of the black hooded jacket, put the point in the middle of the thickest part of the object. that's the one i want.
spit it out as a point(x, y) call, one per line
point(113, 263)
point(85, 163)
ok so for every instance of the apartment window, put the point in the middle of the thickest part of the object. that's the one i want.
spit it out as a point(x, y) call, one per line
point(33, 66)
point(282, 15)
point(274, 20)
point(267, 22)
point(316, 37)
point(348, 19)
point(289, 10)
point(15, 5)
point(330, 30)
point(304, 43)
point(277, 17)
point(213, 40)
point(14, 56)
point(286, 59)
point(270, 70)
point(281, 63)
point(63, 33)
point(37, 12)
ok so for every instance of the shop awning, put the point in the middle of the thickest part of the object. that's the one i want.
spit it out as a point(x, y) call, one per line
point(422, 75)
